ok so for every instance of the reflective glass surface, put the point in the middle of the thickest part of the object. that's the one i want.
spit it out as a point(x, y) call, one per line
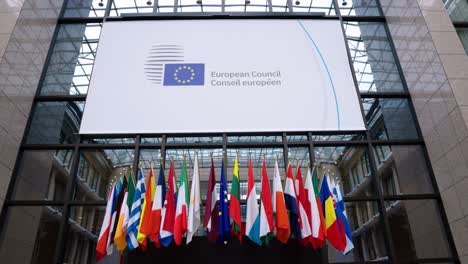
point(389, 118)
point(367, 235)
point(417, 230)
point(85, 8)
point(349, 167)
point(55, 122)
point(98, 170)
point(84, 226)
point(402, 170)
point(72, 60)
point(372, 57)
point(43, 175)
point(30, 234)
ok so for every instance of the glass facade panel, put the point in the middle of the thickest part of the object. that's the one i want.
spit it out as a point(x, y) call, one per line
point(43, 175)
point(389, 118)
point(84, 226)
point(72, 60)
point(85, 8)
point(417, 230)
point(98, 169)
point(416, 226)
point(349, 167)
point(55, 122)
point(372, 57)
point(463, 34)
point(367, 234)
point(457, 9)
point(402, 170)
point(30, 234)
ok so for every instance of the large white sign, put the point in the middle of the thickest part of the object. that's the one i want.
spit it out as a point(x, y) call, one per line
point(221, 76)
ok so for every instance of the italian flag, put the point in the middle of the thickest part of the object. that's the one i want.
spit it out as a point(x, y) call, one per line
point(313, 196)
point(180, 225)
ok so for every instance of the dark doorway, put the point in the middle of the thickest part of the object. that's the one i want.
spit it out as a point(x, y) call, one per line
point(203, 251)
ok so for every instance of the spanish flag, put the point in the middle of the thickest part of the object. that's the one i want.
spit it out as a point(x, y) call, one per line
point(334, 235)
point(144, 227)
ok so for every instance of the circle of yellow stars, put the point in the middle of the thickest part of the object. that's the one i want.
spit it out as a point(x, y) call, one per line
point(180, 68)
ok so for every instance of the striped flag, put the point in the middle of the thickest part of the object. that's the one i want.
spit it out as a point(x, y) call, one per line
point(266, 208)
point(331, 226)
point(122, 225)
point(194, 219)
point(168, 213)
point(304, 209)
point(234, 202)
point(318, 234)
point(135, 213)
point(180, 225)
point(102, 246)
point(144, 226)
point(279, 207)
point(210, 221)
point(342, 219)
point(252, 225)
point(291, 203)
point(156, 210)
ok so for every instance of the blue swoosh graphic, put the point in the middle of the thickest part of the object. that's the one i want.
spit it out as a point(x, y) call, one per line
point(326, 68)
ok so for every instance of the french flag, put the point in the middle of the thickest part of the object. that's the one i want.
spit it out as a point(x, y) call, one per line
point(156, 210)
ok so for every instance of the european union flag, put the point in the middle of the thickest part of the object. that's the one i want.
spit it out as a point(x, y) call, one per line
point(184, 74)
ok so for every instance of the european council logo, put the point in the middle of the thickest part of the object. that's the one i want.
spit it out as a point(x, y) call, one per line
point(184, 74)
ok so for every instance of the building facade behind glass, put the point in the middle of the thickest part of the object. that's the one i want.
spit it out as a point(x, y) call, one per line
point(404, 179)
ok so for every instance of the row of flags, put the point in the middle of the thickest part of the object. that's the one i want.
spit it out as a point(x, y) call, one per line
point(158, 212)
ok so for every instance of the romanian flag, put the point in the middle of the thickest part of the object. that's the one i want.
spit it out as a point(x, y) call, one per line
point(145, 224)
point(331, 225)
point(234, 202)
point(279, 207)
point(180, 225)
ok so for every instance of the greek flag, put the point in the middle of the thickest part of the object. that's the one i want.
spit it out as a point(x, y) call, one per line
point(135, 212)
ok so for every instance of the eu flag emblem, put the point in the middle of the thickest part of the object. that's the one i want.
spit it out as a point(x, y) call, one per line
point(184, 74)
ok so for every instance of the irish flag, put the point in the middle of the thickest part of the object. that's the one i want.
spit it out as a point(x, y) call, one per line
point(121, 232)
point(180, 225)
point(266, 209)
point(252, 222)
point(234, 201)
point(279, 207)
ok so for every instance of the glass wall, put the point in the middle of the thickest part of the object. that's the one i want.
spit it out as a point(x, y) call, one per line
point(58, 194)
